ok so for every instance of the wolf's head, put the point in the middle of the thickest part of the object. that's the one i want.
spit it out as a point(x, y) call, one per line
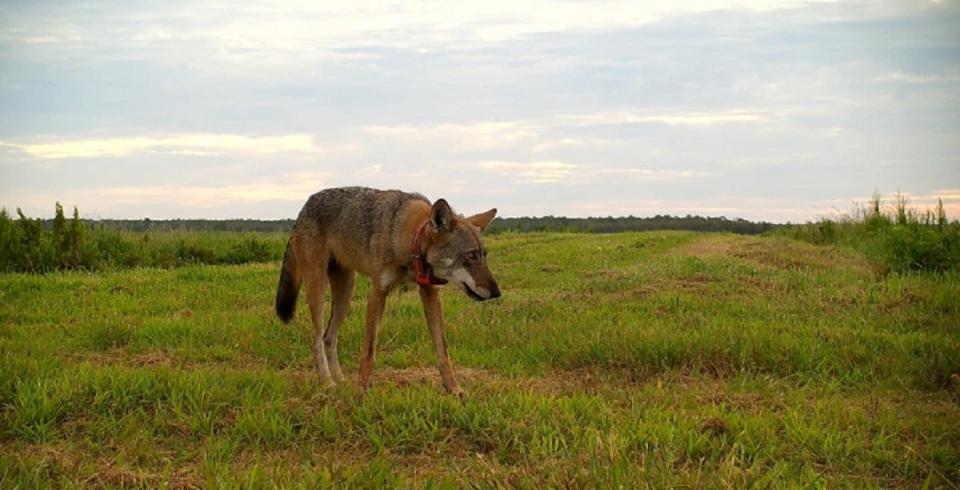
point(456, 252)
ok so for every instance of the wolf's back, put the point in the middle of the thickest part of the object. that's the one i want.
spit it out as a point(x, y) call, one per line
point(354, 215)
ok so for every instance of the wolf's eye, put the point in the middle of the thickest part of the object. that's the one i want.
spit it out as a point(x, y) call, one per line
point(472, 256)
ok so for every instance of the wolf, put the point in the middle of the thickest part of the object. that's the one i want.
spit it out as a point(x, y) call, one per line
point(393, 237)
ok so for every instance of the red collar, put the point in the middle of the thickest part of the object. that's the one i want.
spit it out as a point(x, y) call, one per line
point(421, 269)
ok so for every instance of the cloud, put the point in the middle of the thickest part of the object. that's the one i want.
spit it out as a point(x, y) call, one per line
point(551, 172)
point(652, 174)
point(305, 26)
point(544, 134)
point(491, 131)
point(919, 199)
point(534, 172)
point(293, 187)
point(946, 194)
point(460, 136)
point(180, 144)
point(669, 118)
point(904, 77)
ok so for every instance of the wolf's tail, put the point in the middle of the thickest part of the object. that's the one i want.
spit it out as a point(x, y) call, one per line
point(289, 285)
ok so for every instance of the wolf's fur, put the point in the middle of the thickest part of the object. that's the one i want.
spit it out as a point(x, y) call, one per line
point(355, 229)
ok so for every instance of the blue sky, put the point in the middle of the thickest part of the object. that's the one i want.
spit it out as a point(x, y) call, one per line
point(762, 110)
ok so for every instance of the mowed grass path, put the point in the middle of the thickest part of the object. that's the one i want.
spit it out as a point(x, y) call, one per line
point(640, 359)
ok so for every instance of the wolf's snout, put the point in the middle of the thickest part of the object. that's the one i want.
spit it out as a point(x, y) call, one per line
point(494, 291)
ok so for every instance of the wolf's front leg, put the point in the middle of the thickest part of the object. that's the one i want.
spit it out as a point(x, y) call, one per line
point(375, 303)
point(433, 310)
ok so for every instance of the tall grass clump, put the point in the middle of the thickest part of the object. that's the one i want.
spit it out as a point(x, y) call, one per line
point(27, 245)
point(893, 234)
point(38, 246)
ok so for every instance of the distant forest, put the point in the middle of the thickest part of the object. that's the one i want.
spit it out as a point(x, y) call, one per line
point(523, 224)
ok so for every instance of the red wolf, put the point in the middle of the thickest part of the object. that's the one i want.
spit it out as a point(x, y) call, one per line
point(393, 237)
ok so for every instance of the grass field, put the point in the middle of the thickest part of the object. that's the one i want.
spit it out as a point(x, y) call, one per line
point(640, 359)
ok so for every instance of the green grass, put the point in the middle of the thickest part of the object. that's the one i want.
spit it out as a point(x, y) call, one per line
point(638, 359)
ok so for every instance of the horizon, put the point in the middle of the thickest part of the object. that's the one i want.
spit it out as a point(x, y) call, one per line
point(774, 111)
point(887, 206)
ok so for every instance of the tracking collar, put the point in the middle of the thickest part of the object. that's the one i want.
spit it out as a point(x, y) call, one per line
point(421, 269)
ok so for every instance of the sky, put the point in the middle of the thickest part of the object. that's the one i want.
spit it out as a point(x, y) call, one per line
point(763, 110)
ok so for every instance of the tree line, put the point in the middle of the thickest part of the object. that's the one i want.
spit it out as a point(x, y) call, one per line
point(521, 224)
point(630, 223)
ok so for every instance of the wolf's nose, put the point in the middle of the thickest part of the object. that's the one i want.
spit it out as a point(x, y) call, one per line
point(494, 291)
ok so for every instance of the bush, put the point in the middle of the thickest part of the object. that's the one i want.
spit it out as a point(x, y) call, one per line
point(921, 247)
point(27, 245)
point(249, 250)
point(193, 253)
point(897, 237)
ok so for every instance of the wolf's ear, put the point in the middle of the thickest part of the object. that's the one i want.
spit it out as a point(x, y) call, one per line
point(483, 219)
point(442, 216)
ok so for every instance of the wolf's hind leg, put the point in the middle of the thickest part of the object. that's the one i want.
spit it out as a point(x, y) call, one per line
point(316, 281)
point(341, 287)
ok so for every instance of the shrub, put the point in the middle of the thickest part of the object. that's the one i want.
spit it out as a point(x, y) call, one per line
point(249, 250)
point(26, 245)
point(194, 253)
point(896, 236)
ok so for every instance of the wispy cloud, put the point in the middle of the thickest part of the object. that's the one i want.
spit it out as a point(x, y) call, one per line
point(549, 133)
point(670, 118)
point(307, 27)
point(652, 174)
point(904, 77)
point(549, 172)
point(476, 135)
point(180, 144)
point(920, 199)
point(534, 172)
point(946, 194)
point(292, 187)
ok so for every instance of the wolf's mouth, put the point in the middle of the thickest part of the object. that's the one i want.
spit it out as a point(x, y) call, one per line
point(474, 296)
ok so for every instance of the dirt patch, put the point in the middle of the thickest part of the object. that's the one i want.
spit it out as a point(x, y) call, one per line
point(160, 358)
point(108, 473)
point(111, 474)
point(154, 358)
point(714, 426)
point(605, 274)
point(426, 375)
point(121, 289)
point(777, 253)
point(556, 382)
point(118, 355)
point(688, 284)
point(707, 246)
